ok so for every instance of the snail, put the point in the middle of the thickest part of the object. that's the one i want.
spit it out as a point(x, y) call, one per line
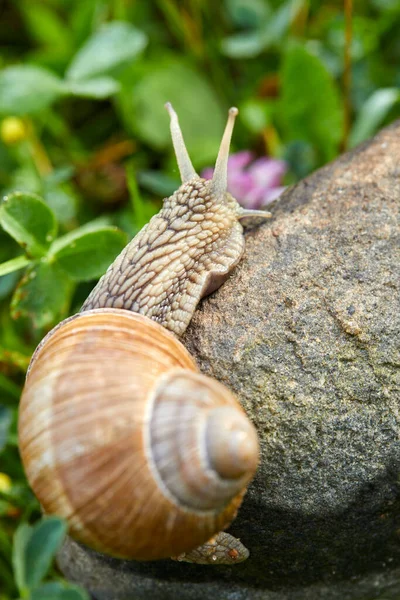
point(119, 432)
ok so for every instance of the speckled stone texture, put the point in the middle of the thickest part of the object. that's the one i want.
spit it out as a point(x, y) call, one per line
point(307, 333)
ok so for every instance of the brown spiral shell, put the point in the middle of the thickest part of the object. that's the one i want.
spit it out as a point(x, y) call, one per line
point(121, 435)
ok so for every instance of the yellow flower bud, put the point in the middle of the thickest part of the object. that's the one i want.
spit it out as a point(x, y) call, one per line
point(5, 482)
point(13, 130)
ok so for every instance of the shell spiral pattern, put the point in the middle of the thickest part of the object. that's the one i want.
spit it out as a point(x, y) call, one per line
point(119, 447)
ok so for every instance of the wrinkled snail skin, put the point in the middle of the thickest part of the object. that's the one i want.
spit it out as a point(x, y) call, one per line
point(185, 252)
point(119, 433)
point(222, 549)
point(172, 263)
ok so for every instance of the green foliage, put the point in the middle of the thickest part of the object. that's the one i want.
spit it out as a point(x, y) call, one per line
point(29, 221)
point(113, 45)
point(58, 591)
point(174, 81)
point(266, 31)
point(19, 89)
point(34, 548)
point(5, 422)
point(14, 264)
point(43, 294)
point(373, 113)
point(33, 553)
point(310, 104)
point(86, 157)
point(85, 253)
point(98, 87)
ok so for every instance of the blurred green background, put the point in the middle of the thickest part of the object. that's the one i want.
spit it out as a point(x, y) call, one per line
point(86, 158)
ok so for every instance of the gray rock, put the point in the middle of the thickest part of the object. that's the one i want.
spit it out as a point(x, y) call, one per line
point(307, 333)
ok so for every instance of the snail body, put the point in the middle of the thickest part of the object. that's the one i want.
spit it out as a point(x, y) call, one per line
point(119, 433)
point(185, 252)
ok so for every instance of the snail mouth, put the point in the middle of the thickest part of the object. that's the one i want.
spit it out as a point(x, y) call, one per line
point(203, 449)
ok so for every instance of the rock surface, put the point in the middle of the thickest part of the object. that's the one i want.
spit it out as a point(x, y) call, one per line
point(307, 333)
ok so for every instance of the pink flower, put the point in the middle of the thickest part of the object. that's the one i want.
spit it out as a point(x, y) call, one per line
point(254, 183)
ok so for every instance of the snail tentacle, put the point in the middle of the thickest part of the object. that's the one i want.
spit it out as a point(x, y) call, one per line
point(182, 156)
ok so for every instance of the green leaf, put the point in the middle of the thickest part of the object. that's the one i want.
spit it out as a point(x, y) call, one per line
point(87, 253)
point(256, 114)
point(42, 295)
point(62, 200)
point(372, 114)
point(249, 44)
point(34, 551)
point(245, 44)
point(9, 388)
point(8, 283)
point(99, 87)
point(26, 89)
point(5, 422)
point(14, 265)
point(46, 538)
point(21, 538)
point(200, 114)
point(45, 26)
point(29, 221)
point(248, 13)
point(158, 183)
point(142, 210)
point(58, 591)
point(301, 157)
point(113, 45)
point(310, 106)
point(364, 39)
